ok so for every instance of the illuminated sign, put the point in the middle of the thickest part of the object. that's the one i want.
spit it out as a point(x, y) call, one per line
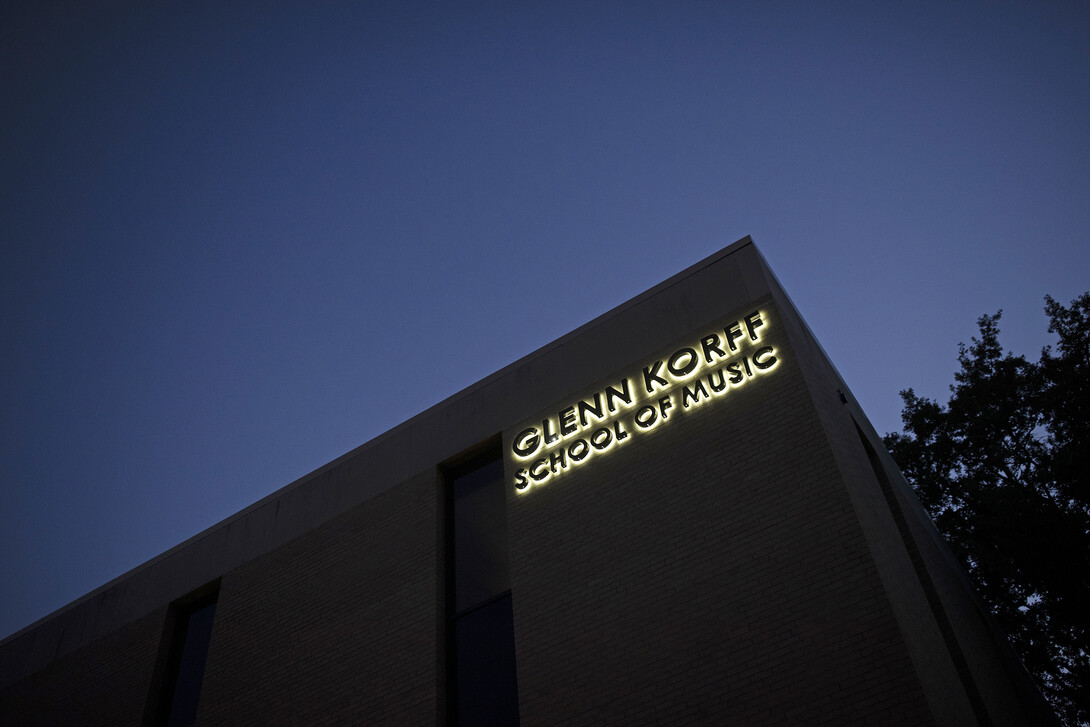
point(688, 378)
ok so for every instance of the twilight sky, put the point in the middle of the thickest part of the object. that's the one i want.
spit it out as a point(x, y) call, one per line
point(238, 240)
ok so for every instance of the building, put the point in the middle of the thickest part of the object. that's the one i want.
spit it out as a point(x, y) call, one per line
point(674, 514)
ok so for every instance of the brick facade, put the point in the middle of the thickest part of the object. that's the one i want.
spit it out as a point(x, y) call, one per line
point(756, 560)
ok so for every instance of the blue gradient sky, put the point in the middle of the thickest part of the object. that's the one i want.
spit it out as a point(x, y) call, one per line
point(238, 241)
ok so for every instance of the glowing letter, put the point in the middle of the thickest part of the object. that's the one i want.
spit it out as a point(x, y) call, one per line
point(665, 404)
point(733, 334)
point(578, 449)
point(596, 410)
point(527, 442)
point(688, 367)
point(709, 344)
point(618, 431)
point(547, 428)
point(770, 357)
point(624, 395)
point(540, 470)
point(695, 395)
point(646, 416)
point(521, 483)
point(567, 421)
point(601, 438)
point(652, 372)
point(556, 459)
point(753, 322)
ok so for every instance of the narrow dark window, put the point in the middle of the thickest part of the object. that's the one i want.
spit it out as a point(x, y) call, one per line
point(189, 635)
point(481, 642)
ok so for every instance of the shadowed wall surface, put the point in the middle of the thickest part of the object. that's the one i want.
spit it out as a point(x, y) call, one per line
point(730, 550)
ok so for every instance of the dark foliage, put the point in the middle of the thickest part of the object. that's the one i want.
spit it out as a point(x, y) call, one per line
point(1004, 470)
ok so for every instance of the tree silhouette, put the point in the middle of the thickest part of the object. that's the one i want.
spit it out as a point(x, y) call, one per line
point(1004, 470)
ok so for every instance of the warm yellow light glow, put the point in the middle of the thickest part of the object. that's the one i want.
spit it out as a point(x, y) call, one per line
point(681, 382)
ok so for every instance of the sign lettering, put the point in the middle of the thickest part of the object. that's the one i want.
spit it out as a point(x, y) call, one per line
point(641, 403)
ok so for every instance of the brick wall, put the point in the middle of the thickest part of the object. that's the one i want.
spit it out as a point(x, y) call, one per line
point(967, 670)
point(712, 573)
point(104, 683)
point(739, 566)
point(339, 626)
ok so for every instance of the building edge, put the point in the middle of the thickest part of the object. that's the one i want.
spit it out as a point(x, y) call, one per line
point(965, 667)
point(355, 476)
point(929, 590)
